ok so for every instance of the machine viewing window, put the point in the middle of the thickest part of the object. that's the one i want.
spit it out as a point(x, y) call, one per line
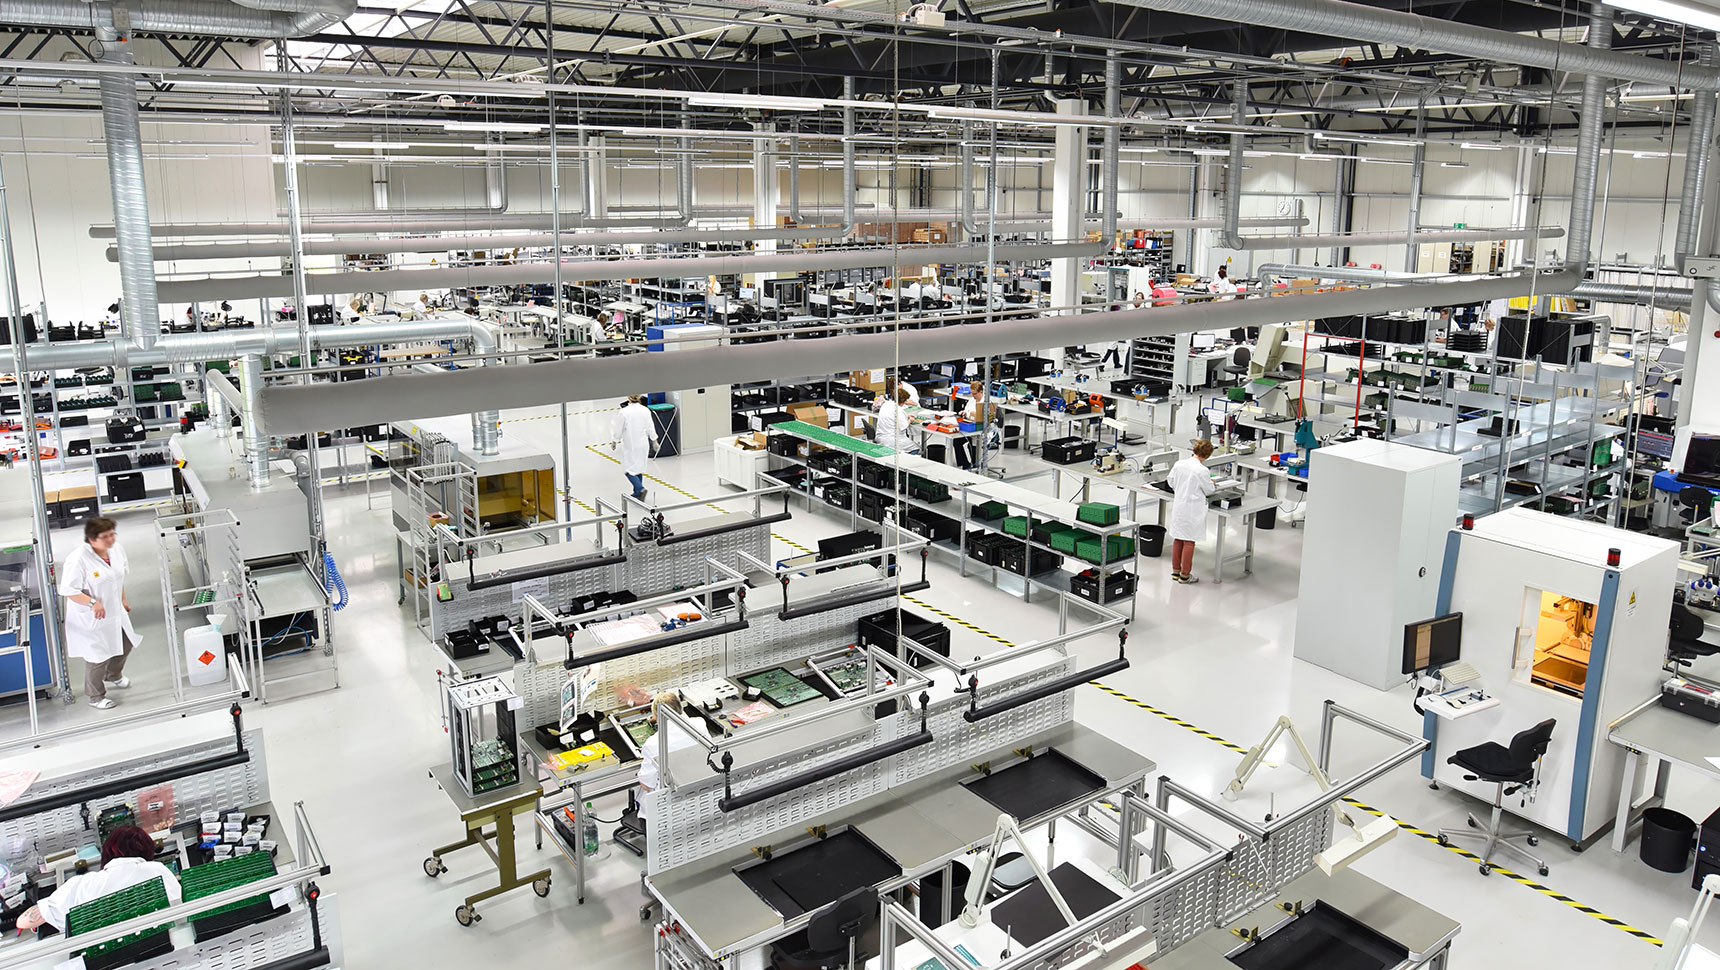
point(1554, 640)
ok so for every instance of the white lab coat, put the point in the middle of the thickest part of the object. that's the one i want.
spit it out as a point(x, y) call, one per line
point(650, 776)
point(88, 638)
point(913, 392)
point(894, 427)
point(1192, 483)
point(632, 434)
point(119, 874)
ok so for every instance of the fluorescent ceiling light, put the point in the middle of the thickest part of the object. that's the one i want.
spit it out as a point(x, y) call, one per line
point(374, 144)
point(514, 148)
point(1386, 161)
point(1677, 11)
point(489, 126)
point(1481, 146)
point(1327, 136)
point(755, 101)
point(1651, 154)
point(1453, 164)
point(1144, 151)
point(1397, 108)
point(1319, 157)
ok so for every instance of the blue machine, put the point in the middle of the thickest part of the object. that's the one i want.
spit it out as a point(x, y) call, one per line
point(12, 665)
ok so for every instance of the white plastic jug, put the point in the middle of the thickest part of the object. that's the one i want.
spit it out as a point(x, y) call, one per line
point(205, 656)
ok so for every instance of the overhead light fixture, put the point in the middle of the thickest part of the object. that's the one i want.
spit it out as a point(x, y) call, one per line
point(1453, 164)
point(1319, 157)
point(1400, 142)
point(373, 144)
point(490, 126)
point(1481, 146)
point(1386, 161)
point(755, 101)
point(511, 148)
point(1650, 154)
point(1677, 11)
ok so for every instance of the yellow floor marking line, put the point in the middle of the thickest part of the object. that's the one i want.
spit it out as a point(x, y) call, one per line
point(1420, 833)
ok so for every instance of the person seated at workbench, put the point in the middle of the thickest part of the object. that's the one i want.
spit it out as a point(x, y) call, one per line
point(650, 774)
point(128, 859)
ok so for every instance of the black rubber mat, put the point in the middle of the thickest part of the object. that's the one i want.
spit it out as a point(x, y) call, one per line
point(1030, 788)
point(819, 873)
point(1326, 938)
point(1028, 915)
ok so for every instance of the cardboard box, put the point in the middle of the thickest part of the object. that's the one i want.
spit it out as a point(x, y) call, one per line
point(810, 413)
point(751, 442)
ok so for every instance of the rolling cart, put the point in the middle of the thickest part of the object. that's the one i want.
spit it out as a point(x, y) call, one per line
point(497, 807)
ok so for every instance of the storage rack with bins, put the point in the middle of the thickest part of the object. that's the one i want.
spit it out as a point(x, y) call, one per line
point(1160, 362)
point(1560, 414)
point(967, 490)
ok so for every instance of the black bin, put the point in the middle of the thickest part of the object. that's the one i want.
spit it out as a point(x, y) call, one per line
point(1666, 839)
point(1266, 518)
point(932, 895)
point(1152, 541)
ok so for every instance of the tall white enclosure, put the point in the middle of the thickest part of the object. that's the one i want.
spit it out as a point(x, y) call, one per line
point(1374, 539)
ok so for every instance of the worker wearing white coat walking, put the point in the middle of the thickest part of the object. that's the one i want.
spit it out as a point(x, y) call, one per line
point(98, 616)
point(632, 439)
point(1192, 483)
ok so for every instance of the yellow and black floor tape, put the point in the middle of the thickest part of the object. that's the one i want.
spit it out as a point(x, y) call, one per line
point(1423, 834)
point(545, 417)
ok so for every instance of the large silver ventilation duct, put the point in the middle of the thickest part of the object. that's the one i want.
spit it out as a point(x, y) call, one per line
point(480, 219)
point(280, 248)
point(486, 425)
point(1392, 237)
point(217, 18)
point(794, 179)
point(181, 348)
point(684, 173)
point(1662, 297)
point(1108, 161)
point(1588, 163)
point(1698, 152)
point(419, 280)
point(1355, 21)
point(1230, 238)
point(964, 185)
point(251, 420)
point(297, 408)
point(142, 311)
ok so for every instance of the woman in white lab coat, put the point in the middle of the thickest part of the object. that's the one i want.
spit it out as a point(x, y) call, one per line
point(895, 428)
point(98, 616)
point(631, 436)
point(1191, 483)
point(128, 859)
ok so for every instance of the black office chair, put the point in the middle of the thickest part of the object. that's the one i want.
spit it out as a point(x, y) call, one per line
point(1684, 631)
point(1512, 769)
point(1238, 366)
point(1694, 504)
point(630, 831)
point(832, 939)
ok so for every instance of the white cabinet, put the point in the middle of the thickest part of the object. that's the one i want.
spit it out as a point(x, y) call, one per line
point(1378, 514)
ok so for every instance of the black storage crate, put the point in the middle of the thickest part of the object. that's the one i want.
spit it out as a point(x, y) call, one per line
point(839, 494)
point(873, 506)
point(875, 475)
point(990, 511)
point(785, 445)
point(1015, 558)
point(987, 547)
point(1067, 451)
point(125, 488)
point(927, 490)
point(879, 630)
point(1118, 585)
point(931, 525)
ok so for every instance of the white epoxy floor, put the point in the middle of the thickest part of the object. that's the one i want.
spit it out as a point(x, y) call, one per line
point(1217, 656)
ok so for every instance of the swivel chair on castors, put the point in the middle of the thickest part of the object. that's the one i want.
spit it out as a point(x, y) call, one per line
point(1512, 769)
point(630, 832)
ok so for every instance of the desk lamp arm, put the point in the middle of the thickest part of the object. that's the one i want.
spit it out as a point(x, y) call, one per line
point(1007, 829)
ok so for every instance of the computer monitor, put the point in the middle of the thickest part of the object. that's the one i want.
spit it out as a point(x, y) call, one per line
point(1203, 341)
point(748, 292)
point(1432, 643)
point(1702, 461)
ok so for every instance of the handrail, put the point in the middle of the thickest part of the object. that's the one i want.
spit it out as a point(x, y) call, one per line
point(47, 803)
point(648, 644)
point(577, 565)
point(731, 802)
point(830, 603)
point(236, 674)
point(975, 713)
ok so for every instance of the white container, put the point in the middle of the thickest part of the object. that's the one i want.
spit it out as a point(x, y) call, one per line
point(205, 656)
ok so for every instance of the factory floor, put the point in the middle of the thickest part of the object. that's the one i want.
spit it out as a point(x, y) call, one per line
point(1217, 656)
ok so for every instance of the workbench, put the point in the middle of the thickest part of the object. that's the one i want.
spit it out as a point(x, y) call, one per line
point(496, 808)
point(1662, 737)
point(920, 826)
point(571, 788)
point(1424, 934)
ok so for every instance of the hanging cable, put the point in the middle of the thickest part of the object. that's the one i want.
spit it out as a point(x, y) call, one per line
point(332, 581)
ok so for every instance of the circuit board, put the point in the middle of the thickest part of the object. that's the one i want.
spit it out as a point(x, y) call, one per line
point(640, 731)
point(848, 677)
point(781, 687)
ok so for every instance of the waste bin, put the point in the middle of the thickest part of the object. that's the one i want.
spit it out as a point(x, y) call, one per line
point(1666, 839)
point(1266, 518)
point(1152, 539)
point(932, 895)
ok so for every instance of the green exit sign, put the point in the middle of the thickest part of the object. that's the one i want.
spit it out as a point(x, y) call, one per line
point(1460, 225)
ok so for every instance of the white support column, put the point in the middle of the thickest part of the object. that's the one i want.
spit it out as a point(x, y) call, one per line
point(597, 180)
point(767, 193)
point(1068, 202)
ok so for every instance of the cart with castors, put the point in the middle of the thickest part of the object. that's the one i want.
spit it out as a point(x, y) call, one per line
point(496, 808)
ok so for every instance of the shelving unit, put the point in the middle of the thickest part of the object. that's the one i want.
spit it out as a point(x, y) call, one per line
point(1160, 361)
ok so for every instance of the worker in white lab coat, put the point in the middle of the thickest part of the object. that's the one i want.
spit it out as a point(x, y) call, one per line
point(1190, 483)
point(895, 428)
point(98, 616)
point(632, 439)
point(128, 859)
point(650, 774)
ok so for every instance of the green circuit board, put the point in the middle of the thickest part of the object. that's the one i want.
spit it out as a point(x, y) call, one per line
point(781, 687)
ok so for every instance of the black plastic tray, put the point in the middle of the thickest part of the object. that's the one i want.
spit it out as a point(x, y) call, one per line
point(1322, 937)
point(1030, 788)
point(808, 877)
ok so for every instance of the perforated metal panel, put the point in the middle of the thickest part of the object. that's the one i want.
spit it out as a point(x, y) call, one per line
point(25, 840)
point(1184, 912)
point(1258, 870)
point(959, 742)
point(468, 605)
point(695, 827)
point(258, 945)
point(654, 569)
point(539, 688)
point(771, 641)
